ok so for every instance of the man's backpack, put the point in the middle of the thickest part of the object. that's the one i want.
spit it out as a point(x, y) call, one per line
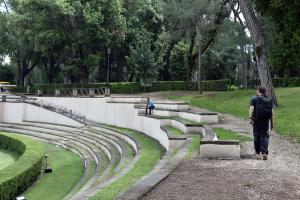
point(263, 109)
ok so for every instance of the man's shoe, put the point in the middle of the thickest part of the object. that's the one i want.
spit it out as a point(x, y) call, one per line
point(265, 157)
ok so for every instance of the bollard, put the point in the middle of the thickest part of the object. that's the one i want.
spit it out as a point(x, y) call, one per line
point(28, 89)
point(91, 93)
point(22, 98)
point(39, 92)
point(75, 92)
point(57, 92)
point(4, 98)
point(71, 113)
point(107, 92)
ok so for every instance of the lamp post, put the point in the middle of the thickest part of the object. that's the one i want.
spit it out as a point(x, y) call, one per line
point(108, 56)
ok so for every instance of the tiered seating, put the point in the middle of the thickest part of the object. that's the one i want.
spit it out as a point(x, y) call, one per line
point(106, 153)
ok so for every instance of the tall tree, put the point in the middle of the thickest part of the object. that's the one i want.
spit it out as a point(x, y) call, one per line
point(261, 53)
point(196, 20)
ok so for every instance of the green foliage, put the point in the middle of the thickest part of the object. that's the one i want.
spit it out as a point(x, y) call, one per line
point(6, 73)
point(133, 87)
point(194, 146)
point(283, 29)
point(7, 158)
point(141, 60)
point(277, 82)
point(17, 177)
point(178, 62)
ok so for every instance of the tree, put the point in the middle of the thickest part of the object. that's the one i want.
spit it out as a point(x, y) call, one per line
point(197, 21)
point(283, 28)
point(260, 47)
point(142, 59)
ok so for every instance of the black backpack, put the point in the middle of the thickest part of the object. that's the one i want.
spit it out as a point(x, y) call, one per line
point(263, 109)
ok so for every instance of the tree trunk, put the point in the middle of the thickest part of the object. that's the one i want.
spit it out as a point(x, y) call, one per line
point(190, 59)
point(199, 65)
point(260, 48)
point(244, 67)
point(199, 74)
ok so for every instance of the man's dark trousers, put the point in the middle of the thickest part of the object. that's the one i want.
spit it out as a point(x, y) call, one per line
point(261, 137)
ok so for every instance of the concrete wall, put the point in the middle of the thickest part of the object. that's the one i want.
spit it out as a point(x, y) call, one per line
point(118, 114)
point(19, 112)
point(12, 112)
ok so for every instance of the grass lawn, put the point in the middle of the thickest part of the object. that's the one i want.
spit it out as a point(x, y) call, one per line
point(193, 147)
point(67, 170)
point(7, 158)
point(173, 131)
point(229, 135)
point(287, 114)
point(150, 153)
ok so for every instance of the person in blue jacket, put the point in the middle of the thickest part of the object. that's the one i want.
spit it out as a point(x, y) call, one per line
point(149, 106)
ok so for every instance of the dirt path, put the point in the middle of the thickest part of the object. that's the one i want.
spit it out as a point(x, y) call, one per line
point(247, 178)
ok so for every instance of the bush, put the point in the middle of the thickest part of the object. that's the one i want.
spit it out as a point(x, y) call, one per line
point(134, 87)
point(277, 82)
point(18, 177)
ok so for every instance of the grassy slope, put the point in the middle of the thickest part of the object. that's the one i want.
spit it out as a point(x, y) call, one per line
point(237, 103)
point(193, 147)
point(229, 135)
point(7, 158)
point(67, 170)
point(150, 153)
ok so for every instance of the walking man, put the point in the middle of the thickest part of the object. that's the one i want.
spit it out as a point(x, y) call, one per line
point(260, 114)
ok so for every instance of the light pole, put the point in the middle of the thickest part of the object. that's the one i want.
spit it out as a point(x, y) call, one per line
point(108, 56)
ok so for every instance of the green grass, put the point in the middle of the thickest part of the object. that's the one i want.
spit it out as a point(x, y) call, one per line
point(173, 131)
point(287, 114)
point(229, 135)
point(193, 147)
point(12, 178)
point(7, 158)
point(150, 153)
point(67, 170)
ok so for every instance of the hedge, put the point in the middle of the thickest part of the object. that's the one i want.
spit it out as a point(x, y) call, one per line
point(133, 87)
point(18, 177)
point(277, 82)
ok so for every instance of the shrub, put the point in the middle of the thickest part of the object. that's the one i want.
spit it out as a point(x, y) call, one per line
point(134, 87)
point(18, 177)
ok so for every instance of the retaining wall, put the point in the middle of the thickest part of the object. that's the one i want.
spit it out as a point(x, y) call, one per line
point(117, 114)
point(19, 112)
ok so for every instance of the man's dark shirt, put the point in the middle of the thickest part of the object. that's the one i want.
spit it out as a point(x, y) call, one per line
point(253, 103)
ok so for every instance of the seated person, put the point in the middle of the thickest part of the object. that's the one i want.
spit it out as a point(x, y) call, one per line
point(149, 106)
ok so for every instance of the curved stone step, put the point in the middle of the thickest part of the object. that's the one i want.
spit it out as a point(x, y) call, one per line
point(85, 155)
point(89, 145)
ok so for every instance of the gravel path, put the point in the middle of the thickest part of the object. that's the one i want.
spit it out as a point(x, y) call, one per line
point(247, 178)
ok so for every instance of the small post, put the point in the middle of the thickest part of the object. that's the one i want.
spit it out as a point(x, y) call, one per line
point(22, 98)
point(107, 92)
point(71, 113)
point(91, 92)
point(75, 92)
point(39, 92)
point(4, 98)
point(28, 89)
point(57, 92)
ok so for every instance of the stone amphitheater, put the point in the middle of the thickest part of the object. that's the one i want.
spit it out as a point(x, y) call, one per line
point(86, 126)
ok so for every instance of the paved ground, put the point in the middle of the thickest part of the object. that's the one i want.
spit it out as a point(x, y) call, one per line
point(247, 178)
